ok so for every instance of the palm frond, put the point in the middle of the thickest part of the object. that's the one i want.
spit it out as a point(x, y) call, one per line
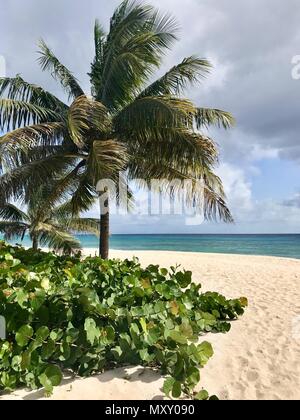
point(85, 225)
point(11, 213)
point(99, 37)
point(49, 61)
point(132, 17)
point(189, 71)
point(84, 195)
point(15, 114)
point(13, 229)
point(63, 211)
point(57, 238)
point(23, 139)
point(64, 216)
point(17, 88)
point(143, 116)
point(135, 43)
point(206, 195)
point(59, 191)
point(20, 182)
point(182, 148)
point(86, 115)
point(107, 158)
point(39, 206)
point(215, 207)
point(97, 64)
point(206, 117)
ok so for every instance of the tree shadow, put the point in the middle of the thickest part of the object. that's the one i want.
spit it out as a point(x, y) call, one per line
point(137, 375)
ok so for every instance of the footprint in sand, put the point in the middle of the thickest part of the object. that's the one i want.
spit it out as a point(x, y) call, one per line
point(244, 362)
point(260, 395)
point(252, 376)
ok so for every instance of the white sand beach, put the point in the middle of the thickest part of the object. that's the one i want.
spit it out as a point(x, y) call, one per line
point(258, 359)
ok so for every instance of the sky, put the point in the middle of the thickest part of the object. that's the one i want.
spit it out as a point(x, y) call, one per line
point(251, 44)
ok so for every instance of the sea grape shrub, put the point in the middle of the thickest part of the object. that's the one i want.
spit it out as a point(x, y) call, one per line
point(90, 315)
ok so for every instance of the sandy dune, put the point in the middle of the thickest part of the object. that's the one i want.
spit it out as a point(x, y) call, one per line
point(258, 359)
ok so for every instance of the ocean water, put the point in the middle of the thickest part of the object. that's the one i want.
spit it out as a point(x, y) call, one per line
point(272, 245)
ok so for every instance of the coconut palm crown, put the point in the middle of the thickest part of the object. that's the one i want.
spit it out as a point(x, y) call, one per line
point(147, 130)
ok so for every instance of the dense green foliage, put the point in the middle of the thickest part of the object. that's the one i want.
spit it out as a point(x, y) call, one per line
point(93, 314)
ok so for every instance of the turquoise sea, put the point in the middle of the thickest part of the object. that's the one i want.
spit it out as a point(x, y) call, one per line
point(273, 245)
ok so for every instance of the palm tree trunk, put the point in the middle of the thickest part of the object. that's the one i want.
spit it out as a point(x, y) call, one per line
point(104, 231)
point(35, 242)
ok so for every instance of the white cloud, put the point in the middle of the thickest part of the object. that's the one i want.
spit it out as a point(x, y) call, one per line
point(237, 188)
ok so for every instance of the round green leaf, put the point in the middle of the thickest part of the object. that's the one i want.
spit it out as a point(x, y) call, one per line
point(53, 373)
point(176, 390)
point(202, 395)
point(178, 337)
point(42, 333)
point(23, 335)
point(168, 385)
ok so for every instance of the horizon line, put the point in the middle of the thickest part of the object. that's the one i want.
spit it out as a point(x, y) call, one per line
point(194, 234)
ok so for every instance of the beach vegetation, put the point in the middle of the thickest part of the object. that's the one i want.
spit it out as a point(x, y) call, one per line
point(84, 316)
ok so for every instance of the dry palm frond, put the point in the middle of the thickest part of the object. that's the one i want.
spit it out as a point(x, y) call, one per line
point(86, 115)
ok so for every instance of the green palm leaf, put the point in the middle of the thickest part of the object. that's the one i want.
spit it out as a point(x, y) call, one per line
point(84, 195)
point(206, 117)
point(136, 41)
point(23, 139)
point(97, 64)
point(13, 229)
point(12, 213)
point(49, 61)
point(180, 145)
point(139, 120)
point(206, 193)
point(14, 113)
point(57, 238)
point(17, 88)
point(189, 71)
point(21, 181)
point(87, 225)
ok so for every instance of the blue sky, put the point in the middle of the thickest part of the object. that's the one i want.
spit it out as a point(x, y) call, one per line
point(251, 44)
point(278, 179)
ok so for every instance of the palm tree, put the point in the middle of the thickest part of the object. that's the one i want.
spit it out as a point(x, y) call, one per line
point(45, 226)
point(149, 131)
